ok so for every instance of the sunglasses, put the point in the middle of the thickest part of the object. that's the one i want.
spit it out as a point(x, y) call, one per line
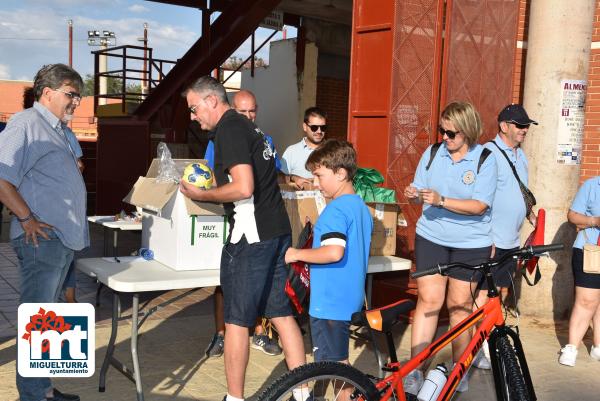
point(447, 132)
point(73, 95)
point(192, 109)
point(519, 126)
point(315, 127)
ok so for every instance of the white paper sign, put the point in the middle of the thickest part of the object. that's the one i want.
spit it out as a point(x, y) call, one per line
point(571, 121)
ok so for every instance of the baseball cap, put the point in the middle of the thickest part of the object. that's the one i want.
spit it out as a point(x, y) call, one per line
point(515, 113)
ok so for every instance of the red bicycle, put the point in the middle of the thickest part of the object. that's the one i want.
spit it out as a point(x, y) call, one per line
point(330, 380)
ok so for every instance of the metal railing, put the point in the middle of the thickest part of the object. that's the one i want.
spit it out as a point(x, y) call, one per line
point(149, 75)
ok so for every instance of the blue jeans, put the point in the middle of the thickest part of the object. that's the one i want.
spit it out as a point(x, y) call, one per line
point(43, 270)
point(71, 279)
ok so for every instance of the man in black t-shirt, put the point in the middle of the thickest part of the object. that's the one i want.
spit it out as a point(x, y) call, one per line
point(253, 270)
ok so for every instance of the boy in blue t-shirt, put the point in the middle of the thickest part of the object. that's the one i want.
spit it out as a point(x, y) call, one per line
point(340, 253)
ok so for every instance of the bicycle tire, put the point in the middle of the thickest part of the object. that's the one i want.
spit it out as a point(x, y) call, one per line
point(515, 388)
point(317, 377)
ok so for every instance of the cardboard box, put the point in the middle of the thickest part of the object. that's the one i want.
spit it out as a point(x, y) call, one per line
point(300, 206)
point(385, 220)
point(183, 234)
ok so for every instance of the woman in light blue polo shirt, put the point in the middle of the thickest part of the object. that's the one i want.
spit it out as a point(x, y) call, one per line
point(585, 214)
point(456, 188)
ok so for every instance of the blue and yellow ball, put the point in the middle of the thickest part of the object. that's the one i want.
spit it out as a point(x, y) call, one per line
point(199, 175)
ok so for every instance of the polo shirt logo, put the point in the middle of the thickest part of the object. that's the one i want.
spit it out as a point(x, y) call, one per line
point(468, 177)
point(268, 152)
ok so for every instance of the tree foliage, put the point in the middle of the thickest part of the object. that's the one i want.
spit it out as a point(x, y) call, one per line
point(114, 86)
point(234, 62)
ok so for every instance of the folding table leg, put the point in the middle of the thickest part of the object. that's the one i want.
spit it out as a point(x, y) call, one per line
point(369, 293)
point(110, 349)
point(134, 350)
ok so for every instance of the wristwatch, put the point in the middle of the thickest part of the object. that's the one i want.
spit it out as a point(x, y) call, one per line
point(442, 201)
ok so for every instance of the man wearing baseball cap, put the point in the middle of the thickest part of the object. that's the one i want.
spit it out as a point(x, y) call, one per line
point(508, 213)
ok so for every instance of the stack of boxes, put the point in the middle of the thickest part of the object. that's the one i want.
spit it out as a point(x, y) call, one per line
point(188, 235)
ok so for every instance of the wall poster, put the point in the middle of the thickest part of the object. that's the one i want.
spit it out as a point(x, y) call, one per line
point(571, 121)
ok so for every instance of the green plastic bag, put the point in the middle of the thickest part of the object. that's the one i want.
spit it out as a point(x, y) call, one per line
point(365, 182)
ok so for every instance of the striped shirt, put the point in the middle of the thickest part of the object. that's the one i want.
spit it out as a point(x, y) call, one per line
point(36, 158)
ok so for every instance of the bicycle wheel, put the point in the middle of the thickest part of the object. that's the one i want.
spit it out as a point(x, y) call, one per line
point(322, 381)
point(514, 387)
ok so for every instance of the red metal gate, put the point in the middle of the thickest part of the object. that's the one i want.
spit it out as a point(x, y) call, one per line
point(479, 56)
point(398, 82)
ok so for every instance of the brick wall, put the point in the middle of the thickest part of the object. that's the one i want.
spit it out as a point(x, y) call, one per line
point(521, 53)
point(590, 164)
point(332, 97)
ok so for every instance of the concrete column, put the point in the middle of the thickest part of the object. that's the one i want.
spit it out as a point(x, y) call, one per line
point(558, 48)
point(103, 80)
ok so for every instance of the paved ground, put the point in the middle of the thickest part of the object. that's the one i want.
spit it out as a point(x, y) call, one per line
point(173, 340)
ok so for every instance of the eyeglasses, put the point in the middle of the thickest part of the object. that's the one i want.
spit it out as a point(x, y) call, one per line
point(192, 109)
point(73, 95)
point(447, 132)
point(315, 127)
point(519, 126)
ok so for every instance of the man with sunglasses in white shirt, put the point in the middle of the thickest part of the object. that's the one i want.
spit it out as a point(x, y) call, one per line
point(295, 156)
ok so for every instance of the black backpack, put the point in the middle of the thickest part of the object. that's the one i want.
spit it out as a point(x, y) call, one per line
point(436, 146)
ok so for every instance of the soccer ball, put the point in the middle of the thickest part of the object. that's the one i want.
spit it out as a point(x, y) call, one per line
point(199, 175)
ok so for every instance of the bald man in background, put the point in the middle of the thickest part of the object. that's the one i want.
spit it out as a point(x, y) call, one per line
point(244, 102)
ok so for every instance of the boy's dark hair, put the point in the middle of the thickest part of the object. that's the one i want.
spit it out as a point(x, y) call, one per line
point(334, 154)
point(314, 111)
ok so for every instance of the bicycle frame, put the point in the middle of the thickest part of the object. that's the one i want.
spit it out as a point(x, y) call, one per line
point(490, 315)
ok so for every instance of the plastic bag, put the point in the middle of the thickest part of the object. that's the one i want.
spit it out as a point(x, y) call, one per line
point(365, 181)
point(167, 171)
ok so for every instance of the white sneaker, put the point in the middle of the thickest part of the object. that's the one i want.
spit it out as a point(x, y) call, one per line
point(568, 355)
point(595, 353)
point(481, 361)
point(413, 381)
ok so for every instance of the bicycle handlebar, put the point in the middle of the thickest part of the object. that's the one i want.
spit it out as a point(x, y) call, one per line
point(528, 251)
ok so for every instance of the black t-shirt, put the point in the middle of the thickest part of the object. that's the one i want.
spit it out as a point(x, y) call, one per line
point(239, 141)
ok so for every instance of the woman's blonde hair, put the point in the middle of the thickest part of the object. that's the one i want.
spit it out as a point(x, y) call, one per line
point(466, 120)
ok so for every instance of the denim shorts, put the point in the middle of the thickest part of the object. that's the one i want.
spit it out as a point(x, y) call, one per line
point(330, 338)
point(253, 280)
point(429, 254)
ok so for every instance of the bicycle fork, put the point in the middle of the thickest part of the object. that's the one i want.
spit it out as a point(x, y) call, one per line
point(504, 331)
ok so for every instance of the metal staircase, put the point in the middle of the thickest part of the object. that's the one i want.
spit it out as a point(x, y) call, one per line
point(126, 143)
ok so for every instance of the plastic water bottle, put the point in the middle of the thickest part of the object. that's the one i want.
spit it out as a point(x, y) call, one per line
point(433, 384)
point(146, 253)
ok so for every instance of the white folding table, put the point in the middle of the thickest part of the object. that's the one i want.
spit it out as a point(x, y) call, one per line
point(134, 275)
point(109, 222)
